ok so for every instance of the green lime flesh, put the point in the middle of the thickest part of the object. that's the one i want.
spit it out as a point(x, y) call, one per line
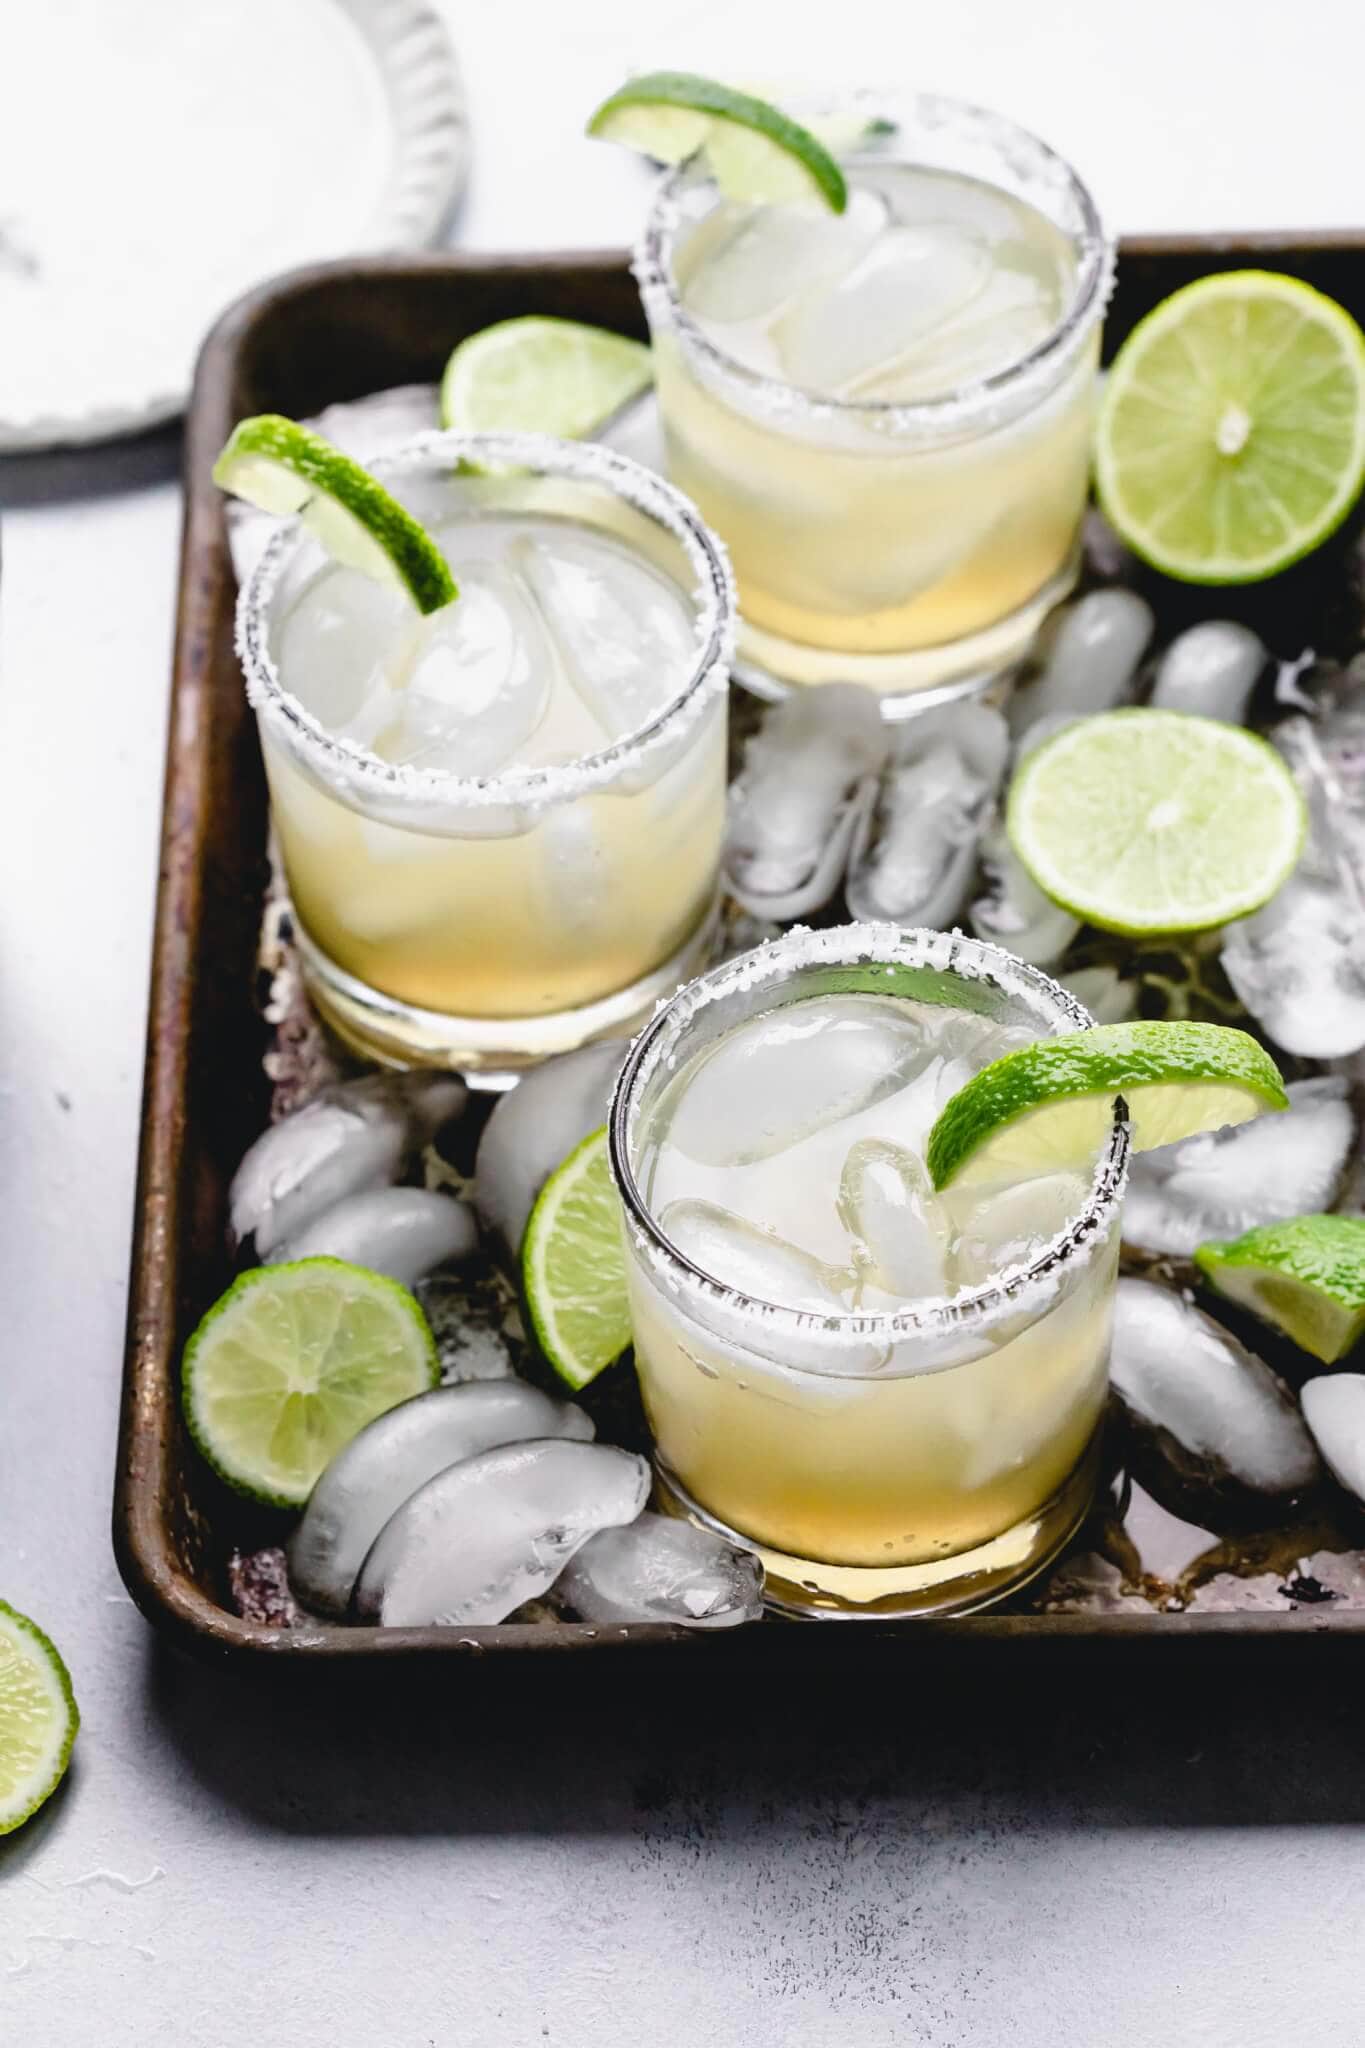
point(39, 1718)
point(1306, 1277)
point(292, 1362)
point(573, 1266)
point(286, 469)
point(1050, 1105)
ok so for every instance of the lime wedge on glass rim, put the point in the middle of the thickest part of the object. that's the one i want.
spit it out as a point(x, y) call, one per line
point(292, 1362)
point(283, 468)
point(543, 376)
point(1156, 821)
point(1049, 1106)
point(573, 1266)
point(38, 1718)
point(756, 152)
point(1231, 435)
point(1306, 1277)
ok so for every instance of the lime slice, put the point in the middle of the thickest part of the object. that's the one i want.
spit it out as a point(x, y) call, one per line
point(291, 1363)
point(283, 468)
point(573, 1266)
point(1049, 1106)
point(756, 152)
point(1156, 821)
point(38, 1718)
point(1307, 1277)
point(542, 376)
point(1231, 436)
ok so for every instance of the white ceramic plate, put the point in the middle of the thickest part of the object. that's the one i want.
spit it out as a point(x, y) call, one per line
point(159, 157)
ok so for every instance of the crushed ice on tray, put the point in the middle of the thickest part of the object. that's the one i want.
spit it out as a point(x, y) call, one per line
point(1103, 992)
point(404, 1232)
point(1334, 1409)
point(1013, 912)
point(808, 781)
point(1222, 1183)
point(1206, 1415)
point(914, 857)
point(534, 1128)
point(494, 1531)
point(381, 1468)
point(662, 1569)
point(1299, 964)
point(354, 1136)
point(1210, 669)
point(1089, 657)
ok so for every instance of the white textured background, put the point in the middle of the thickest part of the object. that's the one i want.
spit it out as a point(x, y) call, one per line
point(1093, 1857)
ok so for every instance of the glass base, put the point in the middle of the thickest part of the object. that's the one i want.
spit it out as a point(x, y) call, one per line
point(809, 1590)
point(770, 667)
point(489, 1051)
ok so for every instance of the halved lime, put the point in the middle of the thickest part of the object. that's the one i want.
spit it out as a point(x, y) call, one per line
point(1156, 821)
point(291, 1362)
point(573, 1266)
point(283, 468)
point(1049, 1106)
point(542, 376)
point(38, 1718)
point(1231, 437)
point(1306, 1276)
point(756, 152)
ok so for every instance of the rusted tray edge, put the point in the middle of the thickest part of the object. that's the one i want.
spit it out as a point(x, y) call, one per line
point(166, 1594)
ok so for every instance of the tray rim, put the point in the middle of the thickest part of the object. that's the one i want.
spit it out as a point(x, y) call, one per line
point(167, 1596)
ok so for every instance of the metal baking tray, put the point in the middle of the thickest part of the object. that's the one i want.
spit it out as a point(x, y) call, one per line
point(297, 344)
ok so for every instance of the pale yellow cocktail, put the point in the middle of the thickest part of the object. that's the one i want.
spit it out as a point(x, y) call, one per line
point(500, 824)
point(892, 1394)
point(886, 413)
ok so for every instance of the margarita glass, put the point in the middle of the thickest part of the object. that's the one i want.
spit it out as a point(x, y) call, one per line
point(886, 414)
point(501, 823)
point(892, 1396)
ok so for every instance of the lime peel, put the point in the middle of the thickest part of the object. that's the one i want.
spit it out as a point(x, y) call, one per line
point(1231, 435)
point(1305, 1276)
point(292, 1362)
point(286, 469)
point(573, 1266)
point(755, 151)
point(1051, 1104)
point(39, 1718)
point(1142, 820)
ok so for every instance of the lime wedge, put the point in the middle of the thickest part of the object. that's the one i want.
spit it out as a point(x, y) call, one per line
point(1231, 436)
point(756, 152)
point(291, 1363)
point(38, 1718)
point(1307, 1277)
point(283, 468)
point(1156, 821)
point(1049, 1106)
point(573, 1266)
point(542, 376)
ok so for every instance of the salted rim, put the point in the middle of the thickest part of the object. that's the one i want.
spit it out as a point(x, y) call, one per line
point(953, 410)
point(852, 945)
point(347, 767)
